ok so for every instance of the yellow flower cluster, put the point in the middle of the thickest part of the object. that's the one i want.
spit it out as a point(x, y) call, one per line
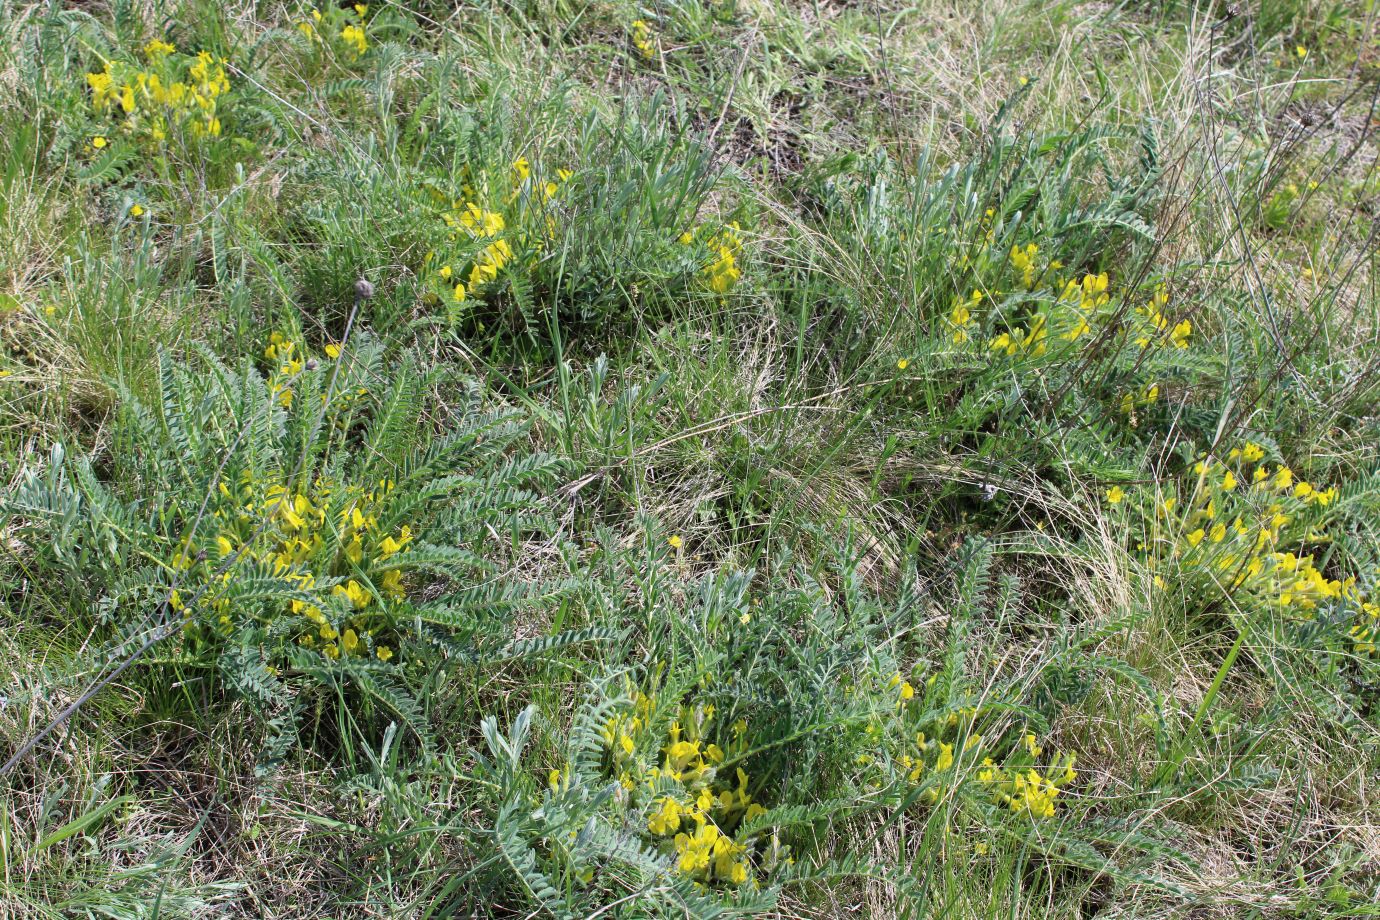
point(1028, 792)
point(357, 534)
point(285, 369)
point(1024, 261)
point(1072, 309)
point(1022, 341)
point(1154, 326)
point(644, 39)
point(1365, 630)
point(1070, 312)
point(347, 26)
point(287, 365)
point(470, 224)
point(174, 92)
point(1089, 295)
point(294, 546)
point(961, 321)
point(943, 748)
point(693, 805)
point(320, 531)
point(1250, 523)
point(721, 269)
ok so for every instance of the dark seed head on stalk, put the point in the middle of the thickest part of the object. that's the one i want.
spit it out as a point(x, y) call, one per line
point(364, 289)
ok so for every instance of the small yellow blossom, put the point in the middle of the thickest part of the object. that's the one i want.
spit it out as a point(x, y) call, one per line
point(353, 36)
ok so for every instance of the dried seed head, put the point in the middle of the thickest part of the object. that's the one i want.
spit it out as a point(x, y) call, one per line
point(363, 289)
point(312, 365)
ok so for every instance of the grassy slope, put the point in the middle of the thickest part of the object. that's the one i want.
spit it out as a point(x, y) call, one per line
point(947, 518)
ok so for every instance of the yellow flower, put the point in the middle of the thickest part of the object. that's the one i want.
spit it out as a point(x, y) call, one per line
point(333, 351)
point(384, 653)
point(391, 583)
point(643, 38)
point(666, 819)
point(1024, 261)
point(1195, 537)
point(354, 592)
point(354, 37)
point(100, 84)
point(98, 142)
point(1115, 495)
point(157, 50)
point(1180, 333)
point(136, 211)
point(945, 758)
point(902, 364)
point(675, 541)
